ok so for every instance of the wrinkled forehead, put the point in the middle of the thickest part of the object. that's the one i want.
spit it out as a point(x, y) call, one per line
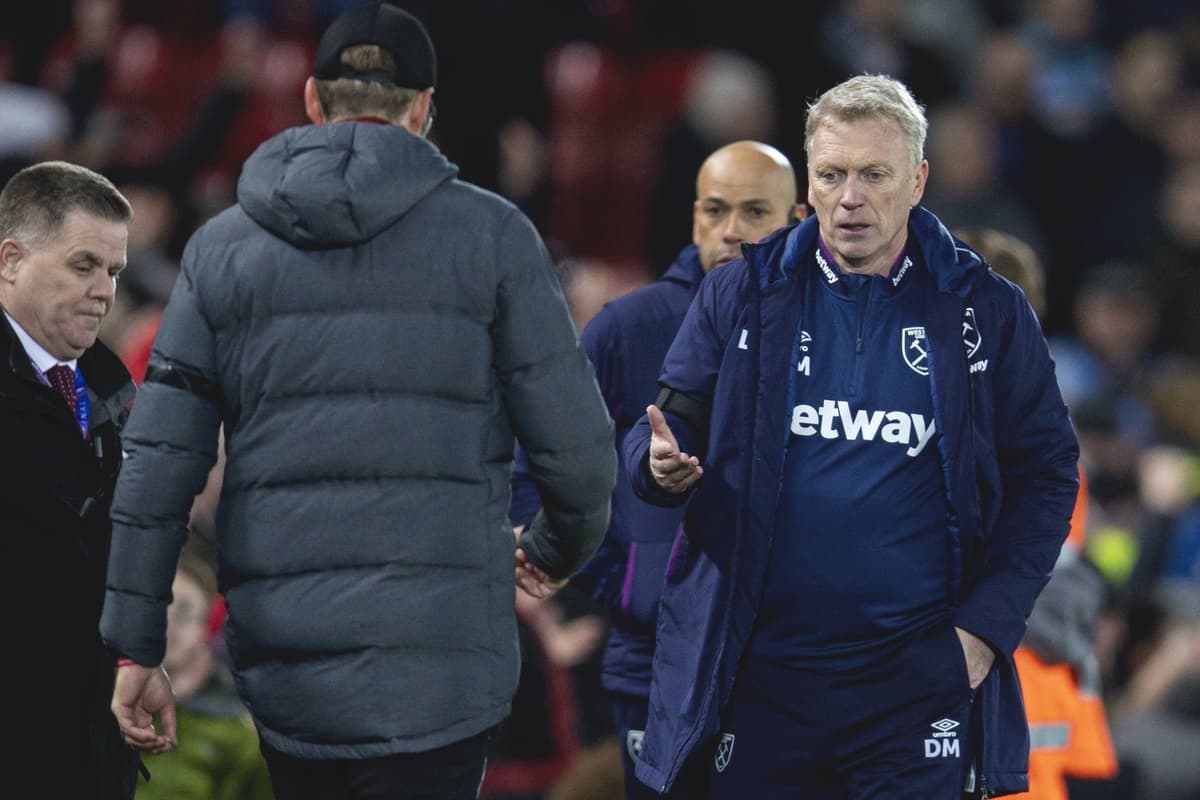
point(863, 138)
point(853, 117)
point(85, 236)
point(38, 226)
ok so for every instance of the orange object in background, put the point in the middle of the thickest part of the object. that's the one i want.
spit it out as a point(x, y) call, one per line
point(1068, 730)
point(1078, 530)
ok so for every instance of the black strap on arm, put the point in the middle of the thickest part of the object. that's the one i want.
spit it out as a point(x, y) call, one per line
point(690, 410)
point(179, 376)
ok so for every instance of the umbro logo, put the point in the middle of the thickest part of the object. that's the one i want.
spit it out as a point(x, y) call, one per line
point(944, 725)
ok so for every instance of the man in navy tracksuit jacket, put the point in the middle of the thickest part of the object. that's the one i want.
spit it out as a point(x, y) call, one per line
point(880, 471)
point(744, 191)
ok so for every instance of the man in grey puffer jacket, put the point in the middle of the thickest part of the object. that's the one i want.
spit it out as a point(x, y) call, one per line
point(371, 332)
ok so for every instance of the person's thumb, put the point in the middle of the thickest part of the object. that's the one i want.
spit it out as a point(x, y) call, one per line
point(658, 426)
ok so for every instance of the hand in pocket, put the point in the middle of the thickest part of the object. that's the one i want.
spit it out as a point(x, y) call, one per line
point(979, 656)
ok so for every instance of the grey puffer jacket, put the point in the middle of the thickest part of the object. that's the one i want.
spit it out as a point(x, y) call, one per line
point(372, 333)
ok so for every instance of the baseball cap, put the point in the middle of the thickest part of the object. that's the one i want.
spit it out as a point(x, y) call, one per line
point(393, 29)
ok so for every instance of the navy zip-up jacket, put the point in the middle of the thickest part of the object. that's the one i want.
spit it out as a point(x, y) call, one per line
point(627, 342)
point(1008, 455)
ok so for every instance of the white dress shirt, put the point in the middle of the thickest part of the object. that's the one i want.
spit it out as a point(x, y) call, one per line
point(40, 357)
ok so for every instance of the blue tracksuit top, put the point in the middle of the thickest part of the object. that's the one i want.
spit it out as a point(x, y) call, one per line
point(626, 342)
point(862, 408)
point(1007, 452)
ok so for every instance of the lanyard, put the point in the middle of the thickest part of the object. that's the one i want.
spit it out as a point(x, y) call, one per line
point(83, 411)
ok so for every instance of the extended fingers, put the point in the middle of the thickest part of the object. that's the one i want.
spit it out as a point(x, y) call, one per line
point(677, 473)
point(681, 480)
point(143, 737)
point(679, 462)
point(536, 583)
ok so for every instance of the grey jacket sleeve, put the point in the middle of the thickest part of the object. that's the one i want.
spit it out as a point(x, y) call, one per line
point(170, 445)
point(554, 405)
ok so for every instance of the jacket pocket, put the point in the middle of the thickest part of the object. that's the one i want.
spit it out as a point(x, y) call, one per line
point(935, 659)
point(957, 660)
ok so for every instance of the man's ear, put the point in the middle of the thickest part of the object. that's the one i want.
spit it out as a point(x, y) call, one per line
point(420, 114)
point(11, 253)
point(312, 103)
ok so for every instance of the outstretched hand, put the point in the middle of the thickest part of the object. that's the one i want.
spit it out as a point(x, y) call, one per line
point(140, 694)
point(671, 469)
point(530, 579)
point(566, 643)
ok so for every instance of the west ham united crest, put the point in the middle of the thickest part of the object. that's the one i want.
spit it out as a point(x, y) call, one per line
point(971, 336)
point(914, 349)
point(724, 751)
point(633, 744)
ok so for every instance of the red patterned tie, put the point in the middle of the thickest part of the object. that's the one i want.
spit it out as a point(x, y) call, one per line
point(63, 379)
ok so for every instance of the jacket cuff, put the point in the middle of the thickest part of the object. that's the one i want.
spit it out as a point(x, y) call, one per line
point(124, 625)
point(992, 626)
point(557, 556)
point(646, 488)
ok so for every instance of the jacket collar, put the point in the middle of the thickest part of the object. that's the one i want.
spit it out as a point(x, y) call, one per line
point(103, 371)
point(42, 359)
point(954, 266)
point(106, 374)
point(12, 354)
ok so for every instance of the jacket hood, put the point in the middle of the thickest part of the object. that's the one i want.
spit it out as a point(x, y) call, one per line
point(340, 183)
point(959, 266)
point(686, 269)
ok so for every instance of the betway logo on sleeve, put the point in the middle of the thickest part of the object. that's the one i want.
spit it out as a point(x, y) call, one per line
point(835, 419)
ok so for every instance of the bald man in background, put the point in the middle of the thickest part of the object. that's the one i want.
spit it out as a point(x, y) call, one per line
point(744, 191)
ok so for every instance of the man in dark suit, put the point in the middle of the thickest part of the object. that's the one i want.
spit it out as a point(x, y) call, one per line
point(63, 399)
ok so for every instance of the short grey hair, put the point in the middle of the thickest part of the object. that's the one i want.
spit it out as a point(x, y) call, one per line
point(870, 97)
point(36, 201)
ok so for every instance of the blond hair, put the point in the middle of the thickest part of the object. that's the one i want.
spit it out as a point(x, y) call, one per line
point(870, 97)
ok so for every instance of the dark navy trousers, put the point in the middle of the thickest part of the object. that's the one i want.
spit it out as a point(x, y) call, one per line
point(897, 729)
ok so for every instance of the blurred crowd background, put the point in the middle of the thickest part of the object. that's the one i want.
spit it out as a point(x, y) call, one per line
point(1071, 124)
